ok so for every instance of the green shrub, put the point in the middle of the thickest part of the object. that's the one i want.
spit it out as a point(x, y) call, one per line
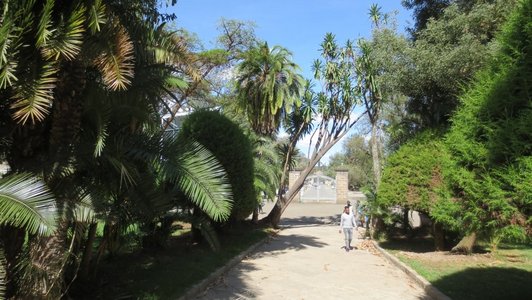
point(232, 148)
point(415, 177)
point(491, 138)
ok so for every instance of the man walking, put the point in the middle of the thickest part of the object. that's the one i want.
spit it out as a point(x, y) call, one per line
point(347, 222)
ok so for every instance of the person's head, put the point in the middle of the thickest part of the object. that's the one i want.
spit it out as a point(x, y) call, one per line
point(346, 209)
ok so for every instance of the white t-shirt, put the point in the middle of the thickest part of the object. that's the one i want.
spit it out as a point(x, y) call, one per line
point(347, 221)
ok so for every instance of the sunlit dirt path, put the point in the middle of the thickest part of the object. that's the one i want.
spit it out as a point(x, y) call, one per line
point(306, 261)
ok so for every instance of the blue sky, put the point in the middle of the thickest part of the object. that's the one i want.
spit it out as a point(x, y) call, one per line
point(298, 25)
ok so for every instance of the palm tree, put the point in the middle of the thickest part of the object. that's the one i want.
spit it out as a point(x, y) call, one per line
point(268, 86)
point(370, 91)
point(85, 96)
point(375, 14)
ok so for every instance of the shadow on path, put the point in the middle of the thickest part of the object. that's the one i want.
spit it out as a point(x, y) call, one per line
point(280, 244)
point(306, 221)
point(487, 283)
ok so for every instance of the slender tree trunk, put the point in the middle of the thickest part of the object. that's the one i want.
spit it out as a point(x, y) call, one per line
point(406, 223)
point(439, 236)
point(84, 268)
point(465, 246)
point(375, 155)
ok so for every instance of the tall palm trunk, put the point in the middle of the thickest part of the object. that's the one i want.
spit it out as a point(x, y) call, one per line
point(66, 114)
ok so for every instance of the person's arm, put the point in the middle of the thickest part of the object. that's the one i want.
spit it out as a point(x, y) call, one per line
point(341, 223)
point(353, 221)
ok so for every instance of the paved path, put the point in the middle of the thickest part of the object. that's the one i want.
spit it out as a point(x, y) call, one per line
point(305, 261)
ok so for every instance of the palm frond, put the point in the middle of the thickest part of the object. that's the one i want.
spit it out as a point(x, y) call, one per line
point(84, 211)
point(201, 178)
point(27, 203)
point(67, 37)
point(116, 64)
point(97, 16)
point(7, 64)
point(101, 136)
point(44, 31)
point(34, 97)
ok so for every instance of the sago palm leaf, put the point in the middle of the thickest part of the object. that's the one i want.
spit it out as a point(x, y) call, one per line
point(25, 202)
point(201, 178)
point(34, 97)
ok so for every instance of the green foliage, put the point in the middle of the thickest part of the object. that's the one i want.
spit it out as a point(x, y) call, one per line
point(445, 57)
point(415, 177)
point(356, 157)
point(268, 86)
point(24, 203)
point(232, 148)
point(266, 165)
point(491, 139)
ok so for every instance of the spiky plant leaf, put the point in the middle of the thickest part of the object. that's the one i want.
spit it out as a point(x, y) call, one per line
point(116, 64)
point(67, 37)
point(7, 64)
point(34, 97)
point(201, 178)
point(27, 203)
point(84, 212)
point(44, 31)
point(97, 16)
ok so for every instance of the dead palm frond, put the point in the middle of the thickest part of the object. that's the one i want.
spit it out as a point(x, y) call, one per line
point(116, 64)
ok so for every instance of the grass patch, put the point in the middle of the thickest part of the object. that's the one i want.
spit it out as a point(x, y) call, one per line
point(167, 274)
point(503, 274)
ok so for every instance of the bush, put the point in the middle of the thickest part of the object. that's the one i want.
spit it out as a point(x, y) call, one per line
point(491, 139)
point(232, 148)
point(416, 177)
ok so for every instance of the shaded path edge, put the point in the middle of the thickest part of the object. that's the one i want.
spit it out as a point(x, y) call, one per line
point(430, 289)
point(193, 291)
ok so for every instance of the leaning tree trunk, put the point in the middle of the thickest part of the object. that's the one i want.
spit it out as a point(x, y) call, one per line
point(274, 217)
point(465, 246)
